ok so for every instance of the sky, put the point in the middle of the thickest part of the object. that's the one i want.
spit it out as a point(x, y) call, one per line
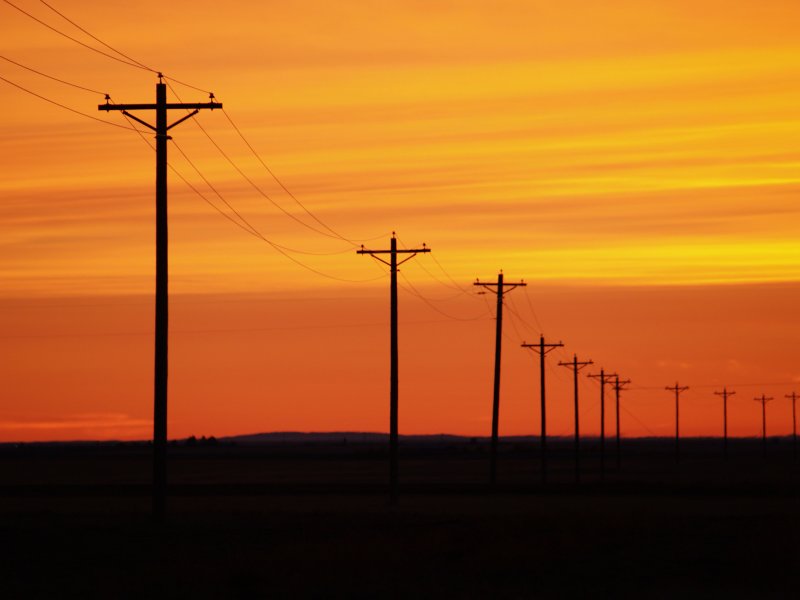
point(634, 162)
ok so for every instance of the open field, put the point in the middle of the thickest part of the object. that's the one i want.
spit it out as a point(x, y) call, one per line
point(313, 520)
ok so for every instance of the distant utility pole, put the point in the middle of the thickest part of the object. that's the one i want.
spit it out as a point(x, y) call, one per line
point(393, 383)
point(542, 349)
point(763, 401)
point(500, 289)
point(604, 379)
point(162, 309)
point(725, 393)
point(677, 389)
point(576, 366)
point(619, 385)
point(793, 396)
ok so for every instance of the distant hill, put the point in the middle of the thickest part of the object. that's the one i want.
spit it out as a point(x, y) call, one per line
point(283, 437)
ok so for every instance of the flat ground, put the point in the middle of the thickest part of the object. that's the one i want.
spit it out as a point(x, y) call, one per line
point(314, 521)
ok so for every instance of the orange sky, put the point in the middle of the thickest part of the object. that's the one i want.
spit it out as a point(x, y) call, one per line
point(635, 162)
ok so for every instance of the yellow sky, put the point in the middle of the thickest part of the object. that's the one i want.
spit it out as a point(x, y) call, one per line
point(630, 142)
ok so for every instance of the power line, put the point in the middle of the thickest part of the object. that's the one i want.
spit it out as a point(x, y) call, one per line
point(65, 107)
point(253, 184)
point(97, 39)
point(413, 291)
point(275, 246)
point(249, 227)
point(288, 191)
point(77, 41)
point(65, 82)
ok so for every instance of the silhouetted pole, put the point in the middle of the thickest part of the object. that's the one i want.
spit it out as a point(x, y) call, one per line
point(604, 378)
point(793, 396)
point(542, 349)
point(500, 289)
point(393, 376)
point(162, 298)
point(725, 393)
point(763, 399)
point(619, 385)
point(576, 366)
point(677, 389)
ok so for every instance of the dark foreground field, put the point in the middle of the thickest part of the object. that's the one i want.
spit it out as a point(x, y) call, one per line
point(312, 520)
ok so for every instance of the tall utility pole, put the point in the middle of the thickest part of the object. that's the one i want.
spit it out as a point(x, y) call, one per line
point(542, 350)
point(576, 366)
point(725, 393)
point(619, 385)
point(763, 401)
point(793, 396)
point(393, 377)
point(677, 389)
point(162, 299)
point(500, 289)
point(604, 379)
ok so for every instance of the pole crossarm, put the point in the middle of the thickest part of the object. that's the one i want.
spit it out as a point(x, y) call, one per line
point(500, 286)
point(576, 364)
point(542, 347)
point(168, 106)
point(604, 377)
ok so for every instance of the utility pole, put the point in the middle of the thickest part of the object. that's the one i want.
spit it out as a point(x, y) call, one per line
point(677, 389)
point(793, 396)
point(725, 393)
point(576, 366)
point(393, 264)
point(500, 289)
point(763, 401)
point(542, 349)
point(161, 128)
point(604, 378)
point(619, 385)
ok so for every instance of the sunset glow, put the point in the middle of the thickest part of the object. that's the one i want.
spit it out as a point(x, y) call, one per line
point(636, 163)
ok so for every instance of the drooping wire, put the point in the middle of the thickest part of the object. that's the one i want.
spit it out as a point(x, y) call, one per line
point(97, 39)
point(415, 292)
point(275, 246)
point(65, 107)
point(289, 192)
point(249, 227)
point(77, 41)
point(533, 311)
point(252, 183)
point(65, 82)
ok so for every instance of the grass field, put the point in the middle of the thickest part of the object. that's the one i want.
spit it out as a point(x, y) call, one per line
point(314, 521)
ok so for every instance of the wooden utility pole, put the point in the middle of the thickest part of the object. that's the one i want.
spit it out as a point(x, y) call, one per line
point(619, 385)
point(793, 396)
point(500, 289)
point(763, 399)
point(393, 265)
point(542, 350)
point(161, 128)
point(677, 389)
point(576, 366)
point(725, 393)
point(604, 379)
